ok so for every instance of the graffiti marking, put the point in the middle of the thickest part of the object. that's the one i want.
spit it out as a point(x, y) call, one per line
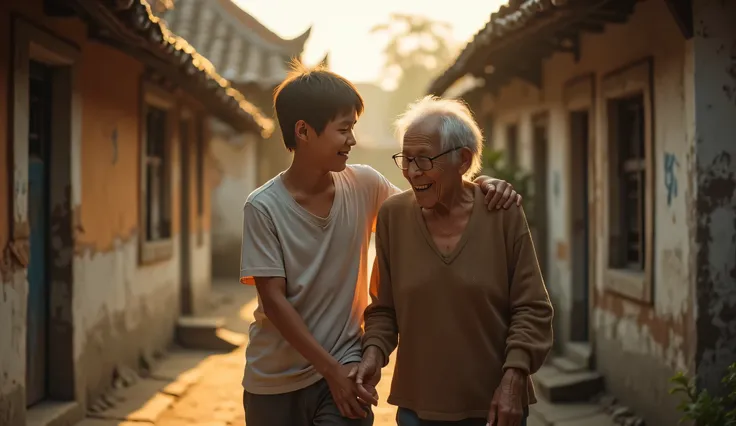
point(670, 179)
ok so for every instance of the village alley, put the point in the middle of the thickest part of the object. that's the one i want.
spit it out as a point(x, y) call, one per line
point(200, 388)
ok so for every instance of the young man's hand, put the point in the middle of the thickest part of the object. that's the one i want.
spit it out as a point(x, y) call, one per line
point(369, 371)
point(499, 193)
point(346, 392)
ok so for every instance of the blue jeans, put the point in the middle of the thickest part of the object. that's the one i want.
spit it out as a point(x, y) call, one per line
point(406, 417)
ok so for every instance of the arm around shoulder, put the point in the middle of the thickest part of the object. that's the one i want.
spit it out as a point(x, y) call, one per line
point(530, 333)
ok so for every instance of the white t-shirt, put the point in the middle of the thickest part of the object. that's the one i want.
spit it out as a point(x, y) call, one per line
point(325, 263)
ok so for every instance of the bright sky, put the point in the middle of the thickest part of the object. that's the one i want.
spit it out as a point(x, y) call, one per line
point(343, 28)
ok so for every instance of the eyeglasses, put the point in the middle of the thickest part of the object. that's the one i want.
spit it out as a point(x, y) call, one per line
point(422, 162)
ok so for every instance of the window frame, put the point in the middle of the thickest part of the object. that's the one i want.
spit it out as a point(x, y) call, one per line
point(153, 251)
point(631, 80)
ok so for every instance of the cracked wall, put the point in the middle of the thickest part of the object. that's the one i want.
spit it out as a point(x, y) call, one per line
point(653, 340)
point(117, 311)
point(715, 182)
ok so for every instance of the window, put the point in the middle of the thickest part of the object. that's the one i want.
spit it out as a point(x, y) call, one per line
point(631, 192)
point(158, 223)
point(156, 176)
point(512, 145)
point(630, 177)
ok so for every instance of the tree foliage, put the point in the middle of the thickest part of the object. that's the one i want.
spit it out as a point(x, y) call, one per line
point(417, 49)
point(495, 165)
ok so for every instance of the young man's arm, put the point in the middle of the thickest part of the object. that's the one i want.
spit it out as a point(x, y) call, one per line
point(272, 291)
point(499, 193)
point(262, 261)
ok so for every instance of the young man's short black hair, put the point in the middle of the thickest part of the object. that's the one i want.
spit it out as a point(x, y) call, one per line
point(316, 96)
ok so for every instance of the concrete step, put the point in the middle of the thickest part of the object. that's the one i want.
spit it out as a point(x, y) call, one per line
point(580, 353)
point(567, 365)
point(207, 333)
point(559, 386)
point(546, 413)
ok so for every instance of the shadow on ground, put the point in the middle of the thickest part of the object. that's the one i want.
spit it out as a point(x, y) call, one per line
point(186, 387)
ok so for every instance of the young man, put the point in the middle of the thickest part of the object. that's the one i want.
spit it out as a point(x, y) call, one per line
point(305, 246)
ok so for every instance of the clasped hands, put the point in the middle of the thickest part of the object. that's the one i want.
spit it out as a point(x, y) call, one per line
point(353, 386)
point(506, 405)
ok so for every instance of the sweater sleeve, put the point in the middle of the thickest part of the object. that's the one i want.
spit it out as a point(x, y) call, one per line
point(530, 332)
point(381, 328)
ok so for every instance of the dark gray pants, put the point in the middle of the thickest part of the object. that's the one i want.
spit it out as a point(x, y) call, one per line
point(311, 406)
point(406, 417)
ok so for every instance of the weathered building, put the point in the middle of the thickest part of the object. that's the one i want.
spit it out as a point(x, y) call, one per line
point(105, 225)
point(255, 60)
point(624, 112)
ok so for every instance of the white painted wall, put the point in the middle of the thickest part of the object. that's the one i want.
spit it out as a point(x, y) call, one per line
point(237, 167)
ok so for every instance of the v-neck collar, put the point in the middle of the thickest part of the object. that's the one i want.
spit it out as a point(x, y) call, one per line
point(321, 222)
point(450, 257)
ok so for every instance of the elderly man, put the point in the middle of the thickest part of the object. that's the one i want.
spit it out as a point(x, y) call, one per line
point(459, 283)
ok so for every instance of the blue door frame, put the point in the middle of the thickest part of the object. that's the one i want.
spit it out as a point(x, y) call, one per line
point(38, 214)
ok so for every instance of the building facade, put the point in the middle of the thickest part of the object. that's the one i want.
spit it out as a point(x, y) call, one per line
point(106, 228)
point(623, 111)
point(255, 60)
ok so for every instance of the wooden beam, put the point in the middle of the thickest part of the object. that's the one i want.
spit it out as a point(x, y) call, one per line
point(682, 11)
point(605, 16)
point(532, 75)
point(58, 9)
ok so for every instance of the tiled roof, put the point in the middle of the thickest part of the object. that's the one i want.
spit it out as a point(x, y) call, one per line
point(136, 26)
point(540, 27)
point(243, 49)
point(512, 17)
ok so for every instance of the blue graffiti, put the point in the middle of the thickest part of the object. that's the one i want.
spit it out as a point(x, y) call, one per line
point(670, 179)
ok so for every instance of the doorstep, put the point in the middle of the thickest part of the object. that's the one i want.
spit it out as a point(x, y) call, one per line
point(54, 413)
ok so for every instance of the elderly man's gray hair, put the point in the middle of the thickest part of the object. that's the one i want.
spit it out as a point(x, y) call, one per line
point(457, 129)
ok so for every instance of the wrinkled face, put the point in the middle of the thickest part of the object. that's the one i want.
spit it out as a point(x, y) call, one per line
point(329, 150)
point(430, 186)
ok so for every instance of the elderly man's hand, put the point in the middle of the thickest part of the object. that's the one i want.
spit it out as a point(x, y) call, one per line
point(499, 193)
point(368, 373)
point(506, 406)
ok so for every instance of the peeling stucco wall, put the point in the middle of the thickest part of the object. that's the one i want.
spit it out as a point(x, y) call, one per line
point(714, 46)
point(122, 311)
point(651, 340)
point(115, 309)
point(14, 292)
point(12, 347)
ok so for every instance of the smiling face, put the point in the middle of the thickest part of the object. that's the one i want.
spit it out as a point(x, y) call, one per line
point(433, 186)
point(329, 150)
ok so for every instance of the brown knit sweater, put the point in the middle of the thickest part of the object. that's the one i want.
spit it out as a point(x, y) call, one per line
point(464, 317)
